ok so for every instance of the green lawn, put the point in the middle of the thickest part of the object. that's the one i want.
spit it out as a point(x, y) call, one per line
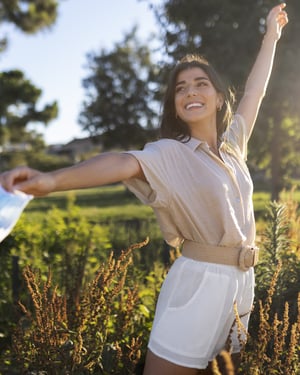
point(115, 202)
point(97, 204)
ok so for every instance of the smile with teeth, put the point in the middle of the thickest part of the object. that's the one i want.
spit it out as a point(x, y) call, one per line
point(194, 105)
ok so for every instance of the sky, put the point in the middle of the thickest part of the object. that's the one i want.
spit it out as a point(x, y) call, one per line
point(55, 60)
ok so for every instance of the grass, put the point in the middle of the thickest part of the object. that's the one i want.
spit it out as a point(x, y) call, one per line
point(115, 202)
point(101, 204)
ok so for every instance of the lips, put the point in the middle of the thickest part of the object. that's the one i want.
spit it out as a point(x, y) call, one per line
point(194, 105)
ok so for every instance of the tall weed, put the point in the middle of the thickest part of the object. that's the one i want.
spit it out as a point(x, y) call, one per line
point(273, 346)
point(104, 333)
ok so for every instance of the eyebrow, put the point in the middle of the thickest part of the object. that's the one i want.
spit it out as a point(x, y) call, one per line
point(196, 79)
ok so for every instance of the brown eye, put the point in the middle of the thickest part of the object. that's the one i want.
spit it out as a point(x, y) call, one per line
point(179, 89)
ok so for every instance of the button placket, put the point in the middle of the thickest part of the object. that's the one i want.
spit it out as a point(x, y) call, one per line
point(238, 201)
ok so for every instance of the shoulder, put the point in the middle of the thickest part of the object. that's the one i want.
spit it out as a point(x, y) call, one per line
point(236, 136)
point(236, 129)
point(164, 142)
point(164, 145)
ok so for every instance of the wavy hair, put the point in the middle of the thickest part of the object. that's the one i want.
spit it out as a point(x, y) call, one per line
point(173, 127)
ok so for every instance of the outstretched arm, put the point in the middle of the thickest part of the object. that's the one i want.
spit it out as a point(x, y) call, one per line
point(258, 78)
point(103, 169)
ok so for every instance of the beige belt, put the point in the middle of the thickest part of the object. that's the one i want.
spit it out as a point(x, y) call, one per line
point(243, 257)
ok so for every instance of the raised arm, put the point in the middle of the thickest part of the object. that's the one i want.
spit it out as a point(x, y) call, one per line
point(103, 169)
point(258, 78)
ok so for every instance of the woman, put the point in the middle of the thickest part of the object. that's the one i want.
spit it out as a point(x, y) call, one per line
point(196, 180)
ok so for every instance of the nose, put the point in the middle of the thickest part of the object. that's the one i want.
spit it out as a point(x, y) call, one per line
point(191, 91)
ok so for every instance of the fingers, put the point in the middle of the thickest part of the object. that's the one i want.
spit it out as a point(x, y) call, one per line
point(282, 18)
point(39, 184)
point(27, 180)
point(278, 11)
point(277, 19)
point(10, 179)
point(29, 187)
point(278, 8)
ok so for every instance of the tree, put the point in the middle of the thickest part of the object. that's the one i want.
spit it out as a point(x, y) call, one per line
point(18, 109)
point(18, 96)
point(280, 113)
point(28, 15)
point(120, 94)
point(229, 35)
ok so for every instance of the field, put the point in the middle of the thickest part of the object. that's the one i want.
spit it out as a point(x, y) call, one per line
point(102, 204)
point(116, 202)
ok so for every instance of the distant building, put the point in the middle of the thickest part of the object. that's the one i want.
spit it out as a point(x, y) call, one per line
point(76, 149)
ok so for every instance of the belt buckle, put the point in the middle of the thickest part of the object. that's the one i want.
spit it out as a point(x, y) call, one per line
point(248, 257)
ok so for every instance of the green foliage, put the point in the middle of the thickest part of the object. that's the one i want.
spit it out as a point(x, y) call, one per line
point(276, 349)
point(46, 162)
point(18, 108)
point(18, 105)
point(274, 343)
point(18, 96)
point(30, 15)
point(274, 149)
point(101, 205)
point(101, 334)
point(279, 246)
point(119, 101)
point(73, 248)
point(114, 301)
point(63, 238)
point(225, 32)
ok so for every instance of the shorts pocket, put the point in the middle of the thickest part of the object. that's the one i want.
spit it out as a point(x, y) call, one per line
point(188, 286)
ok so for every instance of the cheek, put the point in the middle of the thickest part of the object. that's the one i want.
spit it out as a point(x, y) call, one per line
point(213, 97)
point(177, 103)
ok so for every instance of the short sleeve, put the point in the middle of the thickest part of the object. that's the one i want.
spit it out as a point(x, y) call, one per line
point(154, 192)
point(236, 136)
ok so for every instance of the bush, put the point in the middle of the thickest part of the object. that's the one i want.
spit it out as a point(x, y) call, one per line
point(273, 346)
point(105, 331)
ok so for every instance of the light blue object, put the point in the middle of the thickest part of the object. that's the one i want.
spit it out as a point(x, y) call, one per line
point(11, 208)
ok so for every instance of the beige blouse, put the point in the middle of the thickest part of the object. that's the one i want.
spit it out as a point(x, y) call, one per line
point(196, 195)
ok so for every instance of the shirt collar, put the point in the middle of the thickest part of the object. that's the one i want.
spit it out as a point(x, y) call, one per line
point(192, 143)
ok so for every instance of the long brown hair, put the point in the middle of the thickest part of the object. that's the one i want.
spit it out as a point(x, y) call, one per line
point(172, 126)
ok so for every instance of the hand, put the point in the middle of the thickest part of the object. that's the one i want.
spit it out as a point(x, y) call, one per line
point(276, 20)
point(28, 180)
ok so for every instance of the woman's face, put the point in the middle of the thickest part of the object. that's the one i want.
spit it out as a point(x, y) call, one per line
point(196, 99)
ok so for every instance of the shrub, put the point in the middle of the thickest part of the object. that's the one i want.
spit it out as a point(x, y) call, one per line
point(104, 333)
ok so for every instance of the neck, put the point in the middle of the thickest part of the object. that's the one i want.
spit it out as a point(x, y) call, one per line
point(209, 136)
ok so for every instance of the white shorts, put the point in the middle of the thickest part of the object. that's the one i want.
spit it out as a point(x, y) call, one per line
point(195, 311)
